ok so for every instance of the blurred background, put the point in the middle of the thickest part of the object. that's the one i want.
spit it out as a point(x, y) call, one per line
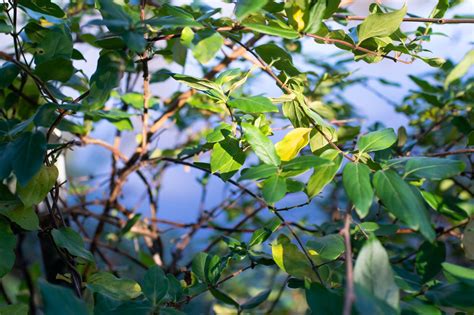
point(180, 195)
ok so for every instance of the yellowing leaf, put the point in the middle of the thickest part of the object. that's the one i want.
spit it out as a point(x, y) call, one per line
point(292, 143)
point(298, 18)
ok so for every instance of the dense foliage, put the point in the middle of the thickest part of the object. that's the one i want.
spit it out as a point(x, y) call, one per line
point(398, 238)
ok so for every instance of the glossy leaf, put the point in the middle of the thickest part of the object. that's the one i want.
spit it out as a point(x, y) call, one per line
point(305, 162)
point(290, 259)
point(356, 180)
point(254, 104)
point(433, 168)
point(206, 267)
point(272, 29)
point(328, 247)
point(403, 201)
point(261, 145)
point(258, 172)
point(377, 140)
point(227, 157)
point(324, 174)
point(262, 234)
point(376, 291)
point(274, 189)
point(293, 142)
point(381, 24)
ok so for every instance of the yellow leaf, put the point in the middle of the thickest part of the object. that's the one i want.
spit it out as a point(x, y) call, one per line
point(298, 18)
point(292, 143)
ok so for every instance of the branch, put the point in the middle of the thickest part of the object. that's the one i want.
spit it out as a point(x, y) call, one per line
point(349, 292)
point(408, 19)
point(356, 47)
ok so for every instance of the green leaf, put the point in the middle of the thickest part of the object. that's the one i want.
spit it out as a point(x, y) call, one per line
point(118, 118)
point(381, 24)
point(445, 205)
point(155, 285)
point(305, 162)
point(13, 209)
point(208, 46)
point(207, 267)
point(376, 291)
point(458, 273)
point(29, 150)
point(318, 140)
point(223, 297)
point(38, 187)
point(261, 145)
point(60, 300)
point(328, 247)
point(356, 180)
point(403, 201)
point(324, 174)
point(71, 241)
point(441, 7)
point(258, 172)
point(456, 295)
point(227, 157)
point(460, 69)
point(377, 140)
point(277, 57)
point(51, 43)
point(262, 234)
point(209, 87)
point(468, 240)
point(58, 69)
point(7, 247)
point(293, 142)
point(8, 73)
point(288, 257)
point(43, 6)
point(256, 300)
point(433, 168)
point(272, 29)
point(323, 301)
point(274, 189)
point(119, 289)
point(14, 309)
point(419, 307)
point(429, 258)
point(315, 16)
point(175, 291)
point(173, 22)
point(254, 104)
point(136, 100)
point(110, 68)
point(244, 8)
